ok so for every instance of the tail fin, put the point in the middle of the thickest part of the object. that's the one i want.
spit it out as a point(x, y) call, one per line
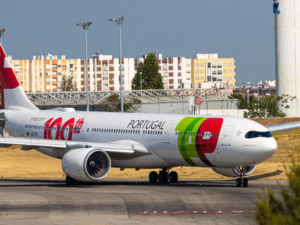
point(12, 93)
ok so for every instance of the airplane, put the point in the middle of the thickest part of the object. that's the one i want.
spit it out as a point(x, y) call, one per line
point(91, 143)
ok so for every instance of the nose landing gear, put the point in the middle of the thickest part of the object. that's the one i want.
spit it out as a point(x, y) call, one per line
point(163, 176)
point(242, 181)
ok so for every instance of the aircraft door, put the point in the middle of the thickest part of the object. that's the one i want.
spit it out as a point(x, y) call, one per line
point(22, 126)
point(83, 131)
point(227, 135)
point(167, 132)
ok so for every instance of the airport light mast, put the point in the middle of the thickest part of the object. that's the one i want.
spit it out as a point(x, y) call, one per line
point(85, 26)
point(2, 31)
point(120, 21)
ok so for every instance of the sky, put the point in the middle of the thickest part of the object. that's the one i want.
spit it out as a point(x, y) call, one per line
point(238, 29)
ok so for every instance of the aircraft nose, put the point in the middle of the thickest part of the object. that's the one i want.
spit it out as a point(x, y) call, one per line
point(271, 147)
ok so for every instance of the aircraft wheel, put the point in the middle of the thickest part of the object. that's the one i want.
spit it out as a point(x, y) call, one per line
point(163, 177)
point(173, 177)
point(245, 182)
point(238, 182)
point(153, 177)
point(70, 181)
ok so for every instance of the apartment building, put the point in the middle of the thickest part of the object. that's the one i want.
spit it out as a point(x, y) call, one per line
point(210, 68)
point(45, 73)
point(175, 72)
point(22, 70)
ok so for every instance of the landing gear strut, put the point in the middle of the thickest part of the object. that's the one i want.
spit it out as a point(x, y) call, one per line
point(163, 176)
point(242, 181)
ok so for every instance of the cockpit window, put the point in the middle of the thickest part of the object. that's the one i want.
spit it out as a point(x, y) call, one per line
point(255, 134)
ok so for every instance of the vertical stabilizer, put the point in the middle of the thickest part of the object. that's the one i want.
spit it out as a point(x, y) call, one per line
point(11, 91)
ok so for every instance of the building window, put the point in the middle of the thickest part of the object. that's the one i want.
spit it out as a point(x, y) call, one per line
point(224, 71)
point(197, 71)
point(209, 65)
point(225, 64)
point(202, 78)
point(229, 71)
point(201, 71)
point(188, 78)
point(197, 64)
point(201, 64)
point(229, 64)
point(197, 78)
point(229, 78)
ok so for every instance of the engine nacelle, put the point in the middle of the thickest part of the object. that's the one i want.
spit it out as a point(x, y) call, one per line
point(234, 172)
point(86, 164)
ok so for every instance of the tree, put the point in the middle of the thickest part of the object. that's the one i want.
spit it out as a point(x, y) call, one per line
point(113, 104)
point(271, 210)
point(151, 78)
point(243, 100)
point(67, 84)
point(266, 106)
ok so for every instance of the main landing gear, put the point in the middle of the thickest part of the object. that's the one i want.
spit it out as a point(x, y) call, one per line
point(242, 181)
point(163, 176)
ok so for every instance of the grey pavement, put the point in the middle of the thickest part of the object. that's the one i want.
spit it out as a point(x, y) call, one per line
point(120, 201)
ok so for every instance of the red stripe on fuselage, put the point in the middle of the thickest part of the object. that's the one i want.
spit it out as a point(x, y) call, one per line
point(207, 142)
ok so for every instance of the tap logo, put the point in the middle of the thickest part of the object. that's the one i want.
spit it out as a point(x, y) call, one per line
point(276, 7)
point(198, 138)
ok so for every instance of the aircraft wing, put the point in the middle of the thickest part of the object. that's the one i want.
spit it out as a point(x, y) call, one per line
point(283, 126)
point(117, 150)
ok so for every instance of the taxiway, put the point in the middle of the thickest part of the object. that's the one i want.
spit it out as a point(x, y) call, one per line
point(128, 201)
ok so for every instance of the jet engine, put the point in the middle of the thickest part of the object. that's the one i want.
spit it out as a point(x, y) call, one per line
point(86, 164)
point(234, 172)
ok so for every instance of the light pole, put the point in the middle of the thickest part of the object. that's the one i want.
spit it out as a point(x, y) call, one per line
point(119, 21)
point(85, 26)
point(1, 34)
point(248, 95)
point(141, 81)
point(257, 96)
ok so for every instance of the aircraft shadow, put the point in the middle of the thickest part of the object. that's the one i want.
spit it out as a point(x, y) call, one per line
point(184, 183)
point(266, 175)
point(107, 183)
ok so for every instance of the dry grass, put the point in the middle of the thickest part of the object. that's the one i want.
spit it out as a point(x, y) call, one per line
point(17, 163)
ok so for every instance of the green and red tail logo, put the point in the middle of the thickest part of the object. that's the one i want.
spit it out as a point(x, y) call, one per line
point(197, 137)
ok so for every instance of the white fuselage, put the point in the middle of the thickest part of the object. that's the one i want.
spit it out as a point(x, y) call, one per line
point(172, 141)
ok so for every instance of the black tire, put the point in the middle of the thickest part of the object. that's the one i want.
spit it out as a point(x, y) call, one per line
point(69, 181)
point(173, 177)
point(238, 182)
point(153, 177)
point(163, 177)
point(245, 182)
